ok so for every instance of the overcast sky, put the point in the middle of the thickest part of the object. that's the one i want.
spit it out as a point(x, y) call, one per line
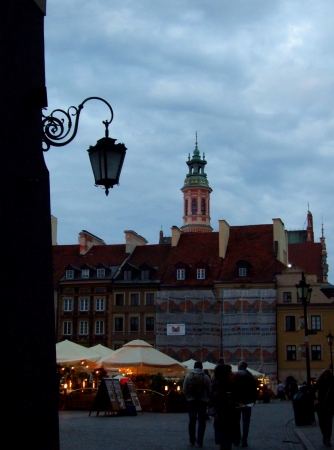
point(254, 78)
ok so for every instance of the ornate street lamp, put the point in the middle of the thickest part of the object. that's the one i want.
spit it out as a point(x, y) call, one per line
point(329, 338)
point(106, 157)
point(304, 294)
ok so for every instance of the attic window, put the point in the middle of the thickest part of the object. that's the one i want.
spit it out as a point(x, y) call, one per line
point(127, 275)
point(201, 274)
point(69, 274)
point(85, 273)
point(144, 275)
point(100, 273)
point(180, 274)
point(242, 272)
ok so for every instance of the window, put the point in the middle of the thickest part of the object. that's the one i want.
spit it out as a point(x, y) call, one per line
point(83, 327)
point(85, 273)
point(84, 303)
point(193, 206)
point(201, 274)
point(316, 352)
point(119, 299)
point(186, 207)
point(67, 304)
point(290, 323)
point(180, 274)
point(291, 353)
point(149, 299)
point(316, 323)
point(127, 274)
point(203, 206)
point(149, 323)
point(100, 273)
point(69, 274)
point(67, 327)
point(287, 297)
point(99, 304)
point(242, 272)
point(134, 299)
point(144, 275)
point(99, 327)
point(134, 324)
point(119, 324)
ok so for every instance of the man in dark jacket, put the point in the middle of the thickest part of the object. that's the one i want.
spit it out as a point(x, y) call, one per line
point(197, 389)
point(245, 387)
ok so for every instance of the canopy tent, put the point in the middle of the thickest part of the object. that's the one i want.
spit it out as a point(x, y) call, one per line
point(206, 365)
point(102, 350)
point(255, 373)
point(140, 357)
point(69, 353)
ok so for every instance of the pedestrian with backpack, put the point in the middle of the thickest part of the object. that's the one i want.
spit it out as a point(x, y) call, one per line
point(197, 389)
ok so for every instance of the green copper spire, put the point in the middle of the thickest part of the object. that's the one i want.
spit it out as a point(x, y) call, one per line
point(196, 164)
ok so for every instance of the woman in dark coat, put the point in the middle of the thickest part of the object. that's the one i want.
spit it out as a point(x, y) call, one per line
point(224, 406)
point(325, 404)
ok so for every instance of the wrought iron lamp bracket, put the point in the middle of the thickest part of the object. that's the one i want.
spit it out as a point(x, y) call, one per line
point(54, 128)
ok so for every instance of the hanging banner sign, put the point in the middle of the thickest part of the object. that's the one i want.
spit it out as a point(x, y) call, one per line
point(176, 329)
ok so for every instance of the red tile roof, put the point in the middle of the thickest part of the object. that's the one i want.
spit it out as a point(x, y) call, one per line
point(307, 256)
point(63, 255)
point(251, 243)
point(153, 255)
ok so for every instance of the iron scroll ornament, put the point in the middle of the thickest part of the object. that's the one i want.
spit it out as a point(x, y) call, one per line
point(106, 157)
point(54, 128)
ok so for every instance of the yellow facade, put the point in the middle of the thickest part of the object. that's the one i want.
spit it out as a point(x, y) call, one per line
point(290, 327)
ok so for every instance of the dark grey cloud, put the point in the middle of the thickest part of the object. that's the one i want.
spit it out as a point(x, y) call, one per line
point(253, 78)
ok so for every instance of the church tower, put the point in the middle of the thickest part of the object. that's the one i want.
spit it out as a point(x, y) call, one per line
point(196, 196)
point(309, 228)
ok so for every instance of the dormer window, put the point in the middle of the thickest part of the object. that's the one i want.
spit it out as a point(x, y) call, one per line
point(201, 274)
point(242, 272)
point(180, 274)
point(127, 275)
point(100, 273)
point(144, 275)
point(69, 274)
point(85, 273)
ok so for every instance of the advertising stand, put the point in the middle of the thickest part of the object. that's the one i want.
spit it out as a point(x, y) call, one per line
point(109, 398)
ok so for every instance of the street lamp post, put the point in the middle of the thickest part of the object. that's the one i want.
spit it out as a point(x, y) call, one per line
point(304, 294)
point(329, 338)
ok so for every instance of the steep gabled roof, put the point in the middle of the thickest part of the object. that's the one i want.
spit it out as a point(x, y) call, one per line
point(193, 248)
point(63, 255)
point(253, 244)
point(154, 256)
point(307, 256)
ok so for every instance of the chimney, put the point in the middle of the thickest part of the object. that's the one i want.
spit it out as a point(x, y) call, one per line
point(87, 240)
point(224, 234)
point(176, 233)
point(54, 229)
point(132, 239)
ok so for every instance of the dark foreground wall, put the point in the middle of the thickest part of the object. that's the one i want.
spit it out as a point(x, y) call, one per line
point(28, 366)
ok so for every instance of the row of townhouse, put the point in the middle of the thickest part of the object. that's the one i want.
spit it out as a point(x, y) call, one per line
point(231, 292)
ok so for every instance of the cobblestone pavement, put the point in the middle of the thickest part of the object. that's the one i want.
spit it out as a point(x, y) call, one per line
point(272, 428)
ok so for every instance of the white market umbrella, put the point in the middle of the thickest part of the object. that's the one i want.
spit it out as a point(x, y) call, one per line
point(206, 365)
point(69, 353)
point(102, 350)
point(140, 357)
point(255, 373)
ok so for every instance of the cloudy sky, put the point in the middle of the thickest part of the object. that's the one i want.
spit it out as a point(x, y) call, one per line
point(254, 78)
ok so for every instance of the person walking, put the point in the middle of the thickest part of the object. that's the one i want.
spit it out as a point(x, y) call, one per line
point(281, 391)
point(223, 403)
point(324, 404)
point(197, 389)
point(245, 387)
